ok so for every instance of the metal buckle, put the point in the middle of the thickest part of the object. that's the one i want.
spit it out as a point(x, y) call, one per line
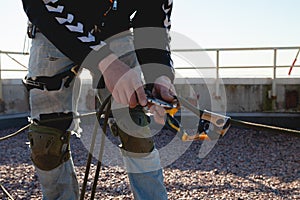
point(31, 30)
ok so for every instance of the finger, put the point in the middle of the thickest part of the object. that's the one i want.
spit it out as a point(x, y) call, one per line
point(141, 96)
point(116, 97)
point(157, 110)
point(160, 111)
point(133, 101)
point(158, 119)
point(152, 109)
point(158, 116)
point(166, 94)
point(124, 98)
point(172, 90)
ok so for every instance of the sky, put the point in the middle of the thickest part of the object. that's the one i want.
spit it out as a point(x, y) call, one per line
point(209, 23)
point(239, 23)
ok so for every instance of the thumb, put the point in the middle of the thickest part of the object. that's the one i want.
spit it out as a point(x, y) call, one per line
point(166, 94)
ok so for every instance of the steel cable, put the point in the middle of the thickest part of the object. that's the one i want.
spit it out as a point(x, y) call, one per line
point(240, 123)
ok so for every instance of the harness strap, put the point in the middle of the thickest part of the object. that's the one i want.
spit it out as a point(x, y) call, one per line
point(53, 82)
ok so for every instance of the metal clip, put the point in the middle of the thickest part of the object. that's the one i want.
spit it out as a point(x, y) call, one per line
point(217, 123)
point(31, 30)
point(115, 5)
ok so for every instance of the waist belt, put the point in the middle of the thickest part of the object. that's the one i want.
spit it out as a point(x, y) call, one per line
point(51, 83)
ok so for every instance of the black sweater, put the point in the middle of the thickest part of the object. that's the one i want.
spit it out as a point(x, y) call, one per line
point(70, 26)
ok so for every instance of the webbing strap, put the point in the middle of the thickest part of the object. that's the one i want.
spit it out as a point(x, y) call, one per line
point(55, 82)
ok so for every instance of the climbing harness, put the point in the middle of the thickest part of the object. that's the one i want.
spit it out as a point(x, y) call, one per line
point(63, 78)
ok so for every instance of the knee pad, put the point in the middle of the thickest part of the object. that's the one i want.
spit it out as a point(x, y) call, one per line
point(136, 145)
point(141, 145)
point(61, 121)
point(49, 146)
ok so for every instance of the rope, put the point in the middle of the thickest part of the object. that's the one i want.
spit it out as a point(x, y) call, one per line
point(193, 109)
point(294, 62)
point(49, 120)
point(99, 163)
point(263, 127)
point(16, 61)
point(15, 133)
point(240, 123)
point(6, 192)
point(90, 154)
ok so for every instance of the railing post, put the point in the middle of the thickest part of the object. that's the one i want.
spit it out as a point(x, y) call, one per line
point(274, 93)
point(218, 74)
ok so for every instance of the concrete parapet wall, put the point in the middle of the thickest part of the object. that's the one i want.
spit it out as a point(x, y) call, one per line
point(14, 97)
point(233, 95)
point(242, 94)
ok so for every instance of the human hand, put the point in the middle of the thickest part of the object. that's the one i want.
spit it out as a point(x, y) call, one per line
point(124, 83)
point(164, 90)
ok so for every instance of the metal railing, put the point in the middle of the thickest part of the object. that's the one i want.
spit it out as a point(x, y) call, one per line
point(274, 66)
point(9, 53)
point(217, 60)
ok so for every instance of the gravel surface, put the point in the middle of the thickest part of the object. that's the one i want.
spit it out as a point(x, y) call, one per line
point(244, 164)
